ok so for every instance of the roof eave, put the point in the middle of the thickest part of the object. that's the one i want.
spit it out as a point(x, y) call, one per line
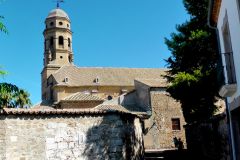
point(75, 101)
point(68, 85)
point(213, 12)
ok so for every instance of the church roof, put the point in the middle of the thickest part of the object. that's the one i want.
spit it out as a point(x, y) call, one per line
point(57, 13)
point(79, 96)
point(100, 76)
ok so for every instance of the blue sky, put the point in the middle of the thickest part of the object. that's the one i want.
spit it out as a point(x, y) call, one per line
point(108, 33)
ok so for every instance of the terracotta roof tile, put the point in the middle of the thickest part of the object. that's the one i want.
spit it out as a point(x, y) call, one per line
point(79, 96)
point(111, 107)
point(85, 76)
point(51, 111)
point(93, 111)
point(120, 108)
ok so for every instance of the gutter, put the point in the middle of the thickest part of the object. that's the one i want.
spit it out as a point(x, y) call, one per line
point(228, 113)
point(210, 7)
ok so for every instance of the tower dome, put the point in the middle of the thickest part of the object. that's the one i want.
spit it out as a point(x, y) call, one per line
point(57, 13)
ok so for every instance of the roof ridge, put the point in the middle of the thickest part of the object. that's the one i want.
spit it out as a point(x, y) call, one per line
point(80, 67)
point(150, 79)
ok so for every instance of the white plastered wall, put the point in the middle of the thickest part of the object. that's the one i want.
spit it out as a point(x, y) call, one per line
point(231, 9)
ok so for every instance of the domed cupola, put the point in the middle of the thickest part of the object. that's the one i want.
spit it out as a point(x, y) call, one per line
point(57, 13)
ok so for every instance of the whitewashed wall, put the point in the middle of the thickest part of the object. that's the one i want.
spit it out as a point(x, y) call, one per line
point(231, 7)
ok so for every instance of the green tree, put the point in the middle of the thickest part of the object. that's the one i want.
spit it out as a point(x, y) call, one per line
point(193, 63)
point(3, 28)
point(2, 72)
point(7, 92)
point(22, 98)
point(12, 96)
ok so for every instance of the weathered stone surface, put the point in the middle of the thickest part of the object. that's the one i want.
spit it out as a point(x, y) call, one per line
point(158, 128)
point(70, 137)
point(2, 139)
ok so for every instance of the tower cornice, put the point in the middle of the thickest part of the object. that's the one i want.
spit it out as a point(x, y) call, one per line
point(57, 28)
point(55, 18)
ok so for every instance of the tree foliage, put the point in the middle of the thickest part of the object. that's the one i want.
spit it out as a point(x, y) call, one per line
point(193, 63)
point(2, 72)
point(12, 96)
point(3, 28)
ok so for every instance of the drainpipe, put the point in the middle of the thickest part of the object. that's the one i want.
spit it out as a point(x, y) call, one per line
point(230, 130)
point(228, 113)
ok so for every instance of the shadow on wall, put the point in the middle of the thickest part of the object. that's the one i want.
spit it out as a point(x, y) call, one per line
point(108, 136)
point(115, 137)
point(208, 140)
point(89, 137)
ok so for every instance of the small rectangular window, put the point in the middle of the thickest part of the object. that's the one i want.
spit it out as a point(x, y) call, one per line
point(51, 41)
point(51, 94)
point(176, 124)
point(60, 40)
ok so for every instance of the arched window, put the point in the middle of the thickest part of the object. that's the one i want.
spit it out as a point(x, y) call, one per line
point(70, 58)
point(45, 45)
point(96, 80)
point(60, 40)
point(51, 94)
point(69, 42)
point(51, 41)
point(51, 23)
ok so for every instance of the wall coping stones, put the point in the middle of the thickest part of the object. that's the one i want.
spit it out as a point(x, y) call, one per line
point(23, 111)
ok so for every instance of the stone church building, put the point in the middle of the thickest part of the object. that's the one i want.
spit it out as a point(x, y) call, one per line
point(90, 112)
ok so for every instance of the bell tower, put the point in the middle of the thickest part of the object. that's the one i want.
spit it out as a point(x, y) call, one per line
point(57, 47)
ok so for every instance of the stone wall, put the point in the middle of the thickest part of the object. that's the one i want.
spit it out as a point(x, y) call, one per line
point(53, 137)
point(2, 139)
point(142, 94)
point(158, 128)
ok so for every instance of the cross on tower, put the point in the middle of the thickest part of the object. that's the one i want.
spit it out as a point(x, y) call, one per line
point(58, 3)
